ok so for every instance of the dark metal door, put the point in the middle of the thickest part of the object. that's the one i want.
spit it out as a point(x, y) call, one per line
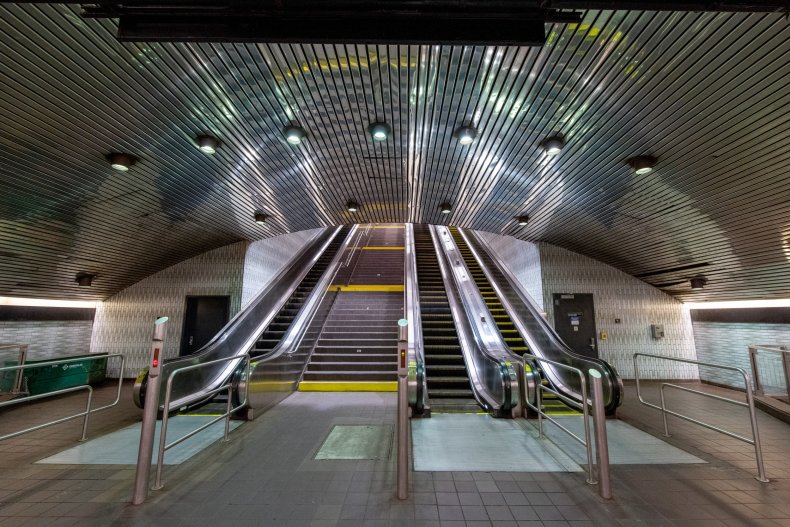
point(574, 320)
point(204, 317)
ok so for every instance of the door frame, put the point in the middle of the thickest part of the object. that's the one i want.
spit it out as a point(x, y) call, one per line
point(183, 345)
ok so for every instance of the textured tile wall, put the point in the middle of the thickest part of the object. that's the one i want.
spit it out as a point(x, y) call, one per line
point(727, 343)
point(46, 338)
point(266, 257)
point(124, 322)
point(523, 259)
point(635, 303)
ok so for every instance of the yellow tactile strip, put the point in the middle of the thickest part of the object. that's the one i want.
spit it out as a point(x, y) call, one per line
point(342, 386)
point(367, 288)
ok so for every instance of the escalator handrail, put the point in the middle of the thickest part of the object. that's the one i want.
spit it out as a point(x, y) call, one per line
point(607, 371)
point(482, 345)
point(411, 302)
point(250, 322)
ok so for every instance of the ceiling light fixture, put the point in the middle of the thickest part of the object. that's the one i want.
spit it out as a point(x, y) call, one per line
point(352, 206)
point(522, 220)
point(379, 131)
point(445, 208)
point(466, 135)
point(207, 144)
point(642, 164)
point(294, 134)
point(552, 145)
point(698, 283)
point(84, 279)
point(260, 218)
point(120, 161)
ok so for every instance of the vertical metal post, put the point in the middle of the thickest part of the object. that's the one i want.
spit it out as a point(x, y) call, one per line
point(20, 373)
point(87, 414)
point(601, 441)
point(786, 367)
point(758, 388)
point(664, 412)
point(403, 411)
point(539, 401)
point(758, 448)
point(227, 411)
point(150, 410)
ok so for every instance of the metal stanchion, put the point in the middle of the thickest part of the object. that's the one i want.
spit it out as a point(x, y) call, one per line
point(601, 441)
point(149, 414)
point(403, 411)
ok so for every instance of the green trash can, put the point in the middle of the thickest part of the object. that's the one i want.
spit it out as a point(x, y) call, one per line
point(60, 376)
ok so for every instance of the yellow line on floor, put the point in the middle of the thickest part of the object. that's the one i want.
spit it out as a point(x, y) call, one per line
point(389, 227)
point(367, 288)
point(380, 248)
point(341, 386)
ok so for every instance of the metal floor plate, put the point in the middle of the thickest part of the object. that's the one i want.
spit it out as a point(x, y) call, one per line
point(357, 442)
point(120, 448)
point(467, 442)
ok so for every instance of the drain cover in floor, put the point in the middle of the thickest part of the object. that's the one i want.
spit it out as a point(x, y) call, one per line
point(357, 442)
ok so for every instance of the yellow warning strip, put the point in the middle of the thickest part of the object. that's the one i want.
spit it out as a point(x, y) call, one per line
point(341, 386)
point(388, 226)
point(380, 248)
point(367, 288)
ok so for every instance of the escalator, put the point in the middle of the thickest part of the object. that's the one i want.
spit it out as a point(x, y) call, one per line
point(282, 321)
point(510, 334)
point(447, 379)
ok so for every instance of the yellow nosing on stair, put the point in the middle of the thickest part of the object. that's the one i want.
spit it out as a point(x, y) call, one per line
point(389, 226)
point(367, 288)
point(380, 248)
point(341, 386)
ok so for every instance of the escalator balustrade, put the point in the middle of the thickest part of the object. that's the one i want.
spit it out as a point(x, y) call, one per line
point(448, 385)
point(551, 404)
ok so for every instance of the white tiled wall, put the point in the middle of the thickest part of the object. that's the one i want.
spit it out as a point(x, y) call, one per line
point(124, 322)
point(266, 257)
point(46, 338)
point(727, 343)
point(637, 304)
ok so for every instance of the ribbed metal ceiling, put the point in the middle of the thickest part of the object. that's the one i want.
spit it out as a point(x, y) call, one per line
point(707, 94)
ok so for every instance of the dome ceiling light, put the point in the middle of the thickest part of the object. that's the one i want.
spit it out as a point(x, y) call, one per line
point(352, 206)
point(445, 208)
point(698, 283)
point(260, 218)
point(552, 145)
point(84, 279)
point(465, 135)
point(642, 164)
point(294, 134)
point(120, 161)
point(207, 144)
point(379, 131)
point(523, 219)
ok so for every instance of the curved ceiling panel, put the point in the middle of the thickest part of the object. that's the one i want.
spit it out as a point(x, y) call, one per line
point(706, 94)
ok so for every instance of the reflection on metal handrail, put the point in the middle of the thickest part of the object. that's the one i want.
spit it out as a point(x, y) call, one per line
point(754, 440)
point(529, 361)
point(411, 303)
point(783, 352)
point(86, 386)
point(163, 446)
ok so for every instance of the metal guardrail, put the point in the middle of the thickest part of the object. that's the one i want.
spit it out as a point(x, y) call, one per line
point(163, 445)
point(18, 381)
point(754, 440)
point(785, 357)
point(599, 418)
point(88, 410)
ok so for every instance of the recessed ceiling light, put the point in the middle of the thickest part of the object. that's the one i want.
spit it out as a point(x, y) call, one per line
point(294, 134)
point(522, 220)
point(466, 135)
point(120, 161)
point(379, 131)
point(352, 206)
point(698, 283)
point(445, 208)
point(260, 218)
point(552, 145)
point(642, 164)
point(84, 279)
point(207, 144)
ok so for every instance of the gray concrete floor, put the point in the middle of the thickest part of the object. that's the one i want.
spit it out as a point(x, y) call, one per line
point(267, 476)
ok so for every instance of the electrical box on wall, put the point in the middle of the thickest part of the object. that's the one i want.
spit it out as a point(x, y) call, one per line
point(657, 330)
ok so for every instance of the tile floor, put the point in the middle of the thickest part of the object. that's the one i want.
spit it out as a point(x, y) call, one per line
point(267, 476)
